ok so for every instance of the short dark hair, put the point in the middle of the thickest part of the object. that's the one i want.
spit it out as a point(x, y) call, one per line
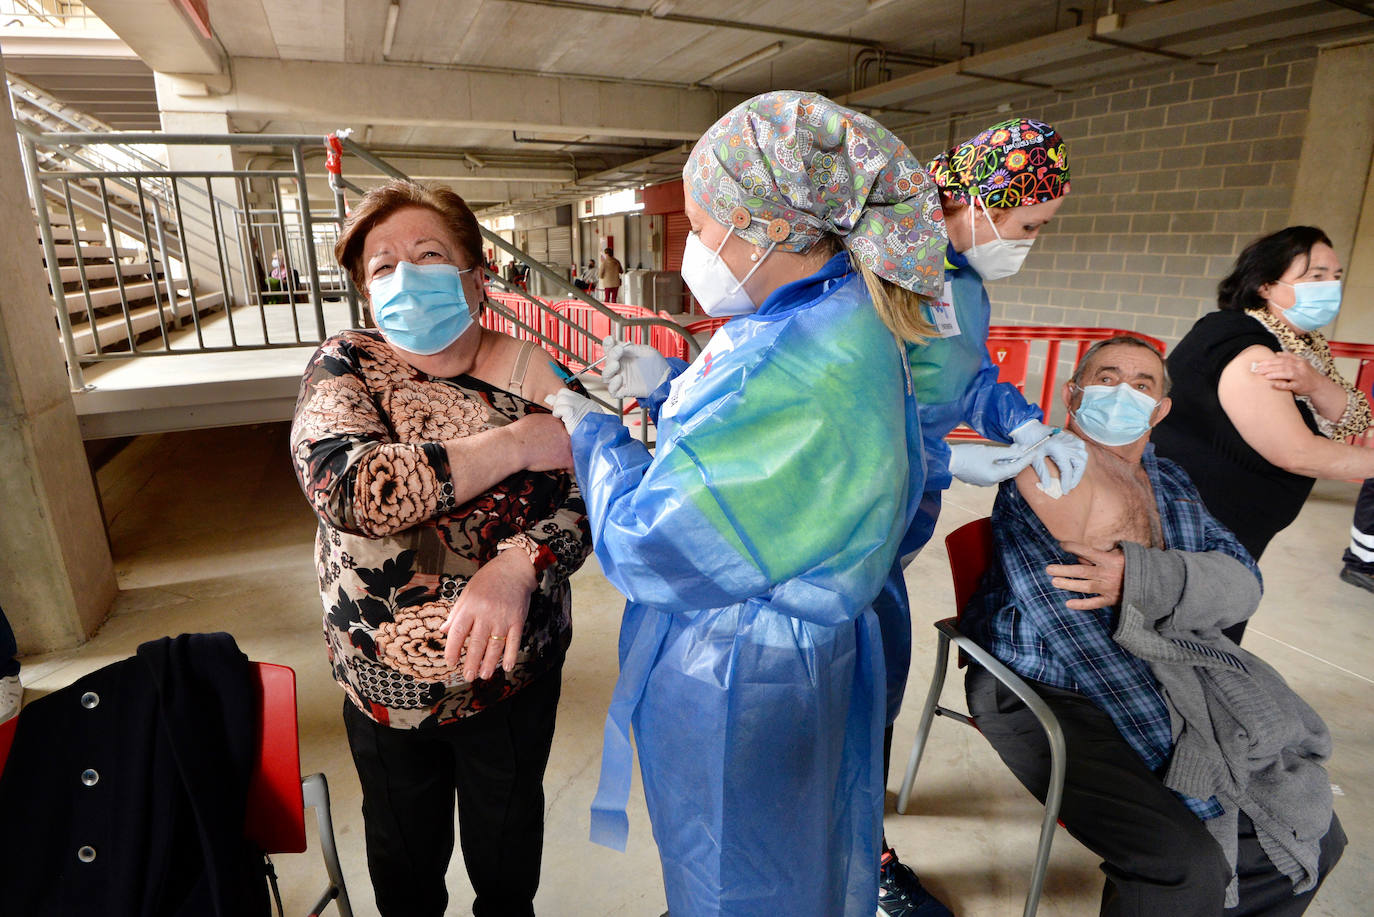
point(1264, 261)
point(1166, 382)
point(397, 194)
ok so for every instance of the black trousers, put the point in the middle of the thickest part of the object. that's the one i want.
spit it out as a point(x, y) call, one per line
point(1158, 856)
point(492, 764)
point(1364, 524)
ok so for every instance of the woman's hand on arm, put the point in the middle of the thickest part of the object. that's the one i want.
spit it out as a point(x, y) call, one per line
point(490, 615)
point(535, 442)
point(1268, 419)
point(1289, 373)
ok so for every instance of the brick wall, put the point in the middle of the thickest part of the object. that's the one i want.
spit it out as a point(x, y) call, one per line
point(1173, 173)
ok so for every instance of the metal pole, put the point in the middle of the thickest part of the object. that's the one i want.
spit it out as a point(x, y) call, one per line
point(40, 206)
point(112, 236)
point(298, 159)
point(81, 270)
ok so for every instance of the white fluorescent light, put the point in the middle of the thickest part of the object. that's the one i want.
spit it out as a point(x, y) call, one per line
point(393, 13)
point(749, 60)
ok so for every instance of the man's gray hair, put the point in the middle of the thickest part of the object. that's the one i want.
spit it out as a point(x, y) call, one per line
point(1122, 339)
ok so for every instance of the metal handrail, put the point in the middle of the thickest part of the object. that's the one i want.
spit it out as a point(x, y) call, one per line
point(224, 240)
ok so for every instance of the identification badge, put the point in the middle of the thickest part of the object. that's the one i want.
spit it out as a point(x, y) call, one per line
point(941, 314)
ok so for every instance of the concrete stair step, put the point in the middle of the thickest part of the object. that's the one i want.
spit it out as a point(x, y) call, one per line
point(113, 330)
point(64, 233)
point(94, 251)
point(71, 273)
point(110, 296)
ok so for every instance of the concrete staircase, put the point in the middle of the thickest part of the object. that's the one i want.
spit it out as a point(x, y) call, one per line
point(116, 296)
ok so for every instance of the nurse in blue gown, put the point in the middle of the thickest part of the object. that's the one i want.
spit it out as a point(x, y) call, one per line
point(752, 542)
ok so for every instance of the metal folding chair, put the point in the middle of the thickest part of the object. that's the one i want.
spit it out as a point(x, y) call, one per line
point(970, 549)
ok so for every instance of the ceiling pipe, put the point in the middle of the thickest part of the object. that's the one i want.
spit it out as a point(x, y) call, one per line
point(748, 60)
point(580, 7)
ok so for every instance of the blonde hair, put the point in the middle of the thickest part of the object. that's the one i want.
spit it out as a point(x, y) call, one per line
point(899, 308)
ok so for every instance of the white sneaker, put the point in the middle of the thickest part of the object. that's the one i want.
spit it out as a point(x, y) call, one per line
point(11, 696)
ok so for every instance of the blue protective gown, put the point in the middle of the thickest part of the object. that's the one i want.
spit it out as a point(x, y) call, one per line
point(750, 546)
point(955, 381)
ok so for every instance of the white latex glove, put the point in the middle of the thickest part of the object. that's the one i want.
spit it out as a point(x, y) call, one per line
point(984, 465)
point(570, 407)
point(632, 370)
point(1068, 452)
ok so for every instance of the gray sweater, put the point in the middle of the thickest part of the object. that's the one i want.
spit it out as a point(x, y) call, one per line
point(1240, 733)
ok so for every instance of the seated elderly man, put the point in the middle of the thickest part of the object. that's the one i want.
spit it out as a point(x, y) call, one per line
point(1193, 770)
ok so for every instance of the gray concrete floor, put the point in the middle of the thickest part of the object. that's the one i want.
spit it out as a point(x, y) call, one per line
point(210, 532)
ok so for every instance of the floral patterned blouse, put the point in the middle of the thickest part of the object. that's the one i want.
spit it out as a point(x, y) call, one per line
point(394, 549)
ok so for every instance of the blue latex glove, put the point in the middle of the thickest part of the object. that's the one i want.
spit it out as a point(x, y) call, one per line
point(570, 407)
point(632, 370)
point(985, 465)
point(1068, 452)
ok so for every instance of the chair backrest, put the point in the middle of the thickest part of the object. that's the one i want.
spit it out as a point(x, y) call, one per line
point(275, 819)
point(7, 739)
point(970, 550)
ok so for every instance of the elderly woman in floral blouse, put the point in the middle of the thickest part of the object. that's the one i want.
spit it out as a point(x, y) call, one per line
point(449, 525)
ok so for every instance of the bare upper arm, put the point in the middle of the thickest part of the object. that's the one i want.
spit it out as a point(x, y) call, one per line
point(1267, 418)
point(1065, 517)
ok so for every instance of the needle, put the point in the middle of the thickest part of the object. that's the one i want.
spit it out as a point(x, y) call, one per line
point(589, 366)
point(1031, 448)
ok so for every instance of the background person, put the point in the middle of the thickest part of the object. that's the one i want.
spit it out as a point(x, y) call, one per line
point(1262, 411)
point(609, 276)
point(449, 526)
point(1358, 569)
point(751, 544)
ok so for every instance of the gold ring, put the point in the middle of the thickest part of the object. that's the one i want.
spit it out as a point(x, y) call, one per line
point(496, 637)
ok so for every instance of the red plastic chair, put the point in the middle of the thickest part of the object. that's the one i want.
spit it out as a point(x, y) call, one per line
point(277, 796)
point(1364, 376)
point(970, 548)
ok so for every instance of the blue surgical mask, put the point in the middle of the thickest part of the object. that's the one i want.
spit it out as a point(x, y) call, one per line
point(1114, 415)
point(1315, 303)
point(421, 308)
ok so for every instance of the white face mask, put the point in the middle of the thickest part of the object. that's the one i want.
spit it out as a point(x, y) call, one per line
point(1000, 257)
point(712, 282)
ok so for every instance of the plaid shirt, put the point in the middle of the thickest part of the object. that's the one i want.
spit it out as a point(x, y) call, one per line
point(1021, 618)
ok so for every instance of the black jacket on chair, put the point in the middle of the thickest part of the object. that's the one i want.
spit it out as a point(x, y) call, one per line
point(124, 792)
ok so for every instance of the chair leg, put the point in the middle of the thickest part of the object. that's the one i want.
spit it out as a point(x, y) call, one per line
point(1054, 796)
point(315, 789)
point(937, 684)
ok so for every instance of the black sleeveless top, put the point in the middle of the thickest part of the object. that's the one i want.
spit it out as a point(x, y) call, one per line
point(1252, 497)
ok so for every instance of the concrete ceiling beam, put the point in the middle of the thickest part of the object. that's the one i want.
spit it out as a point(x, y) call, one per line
point(396, 94)
point(163, 37)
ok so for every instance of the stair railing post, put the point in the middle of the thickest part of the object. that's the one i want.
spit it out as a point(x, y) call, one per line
point(308, 228)
point(64, 322)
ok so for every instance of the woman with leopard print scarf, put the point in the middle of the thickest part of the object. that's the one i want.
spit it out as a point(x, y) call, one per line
point(1260, 411)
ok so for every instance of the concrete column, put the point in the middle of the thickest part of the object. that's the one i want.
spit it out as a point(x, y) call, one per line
point(1334, 188)
point(56, 578)
point(197, 223)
